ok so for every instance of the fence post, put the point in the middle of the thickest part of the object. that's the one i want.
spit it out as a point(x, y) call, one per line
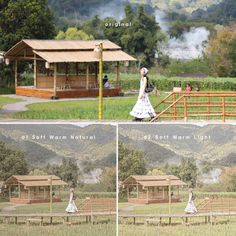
point(209, 105)
point(223, 109)
point(174, 99)
point(185, 108)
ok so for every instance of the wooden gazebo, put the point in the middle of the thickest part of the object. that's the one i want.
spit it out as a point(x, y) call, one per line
point(27, 189)
point(65, 68)
point(145, 189)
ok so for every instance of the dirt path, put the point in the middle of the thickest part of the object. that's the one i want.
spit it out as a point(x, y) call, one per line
point(11, 207)
point(22, 105)
point(129, 208)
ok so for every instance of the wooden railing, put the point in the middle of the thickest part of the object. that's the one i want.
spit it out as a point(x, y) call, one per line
point(197, 105)
point(218, 204)
point(98, 205)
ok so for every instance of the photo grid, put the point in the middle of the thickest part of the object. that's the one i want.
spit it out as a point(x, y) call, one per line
point(118, 118)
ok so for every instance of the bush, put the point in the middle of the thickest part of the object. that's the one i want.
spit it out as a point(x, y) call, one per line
point(131, 82)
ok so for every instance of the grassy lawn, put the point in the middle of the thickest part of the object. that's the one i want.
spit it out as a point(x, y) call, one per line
point(6, 100)
point(114, 109)
point(180, 230)
point(59, 230)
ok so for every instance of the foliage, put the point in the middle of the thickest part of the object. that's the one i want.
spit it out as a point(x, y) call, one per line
point(196, 66)
point(67, 171)
point(187, 171)
point(73, 33)
point(221, 13)
point(221, 52)
point(228, 179)
point(108, 179)
point(131, 162)
point(12, 162)
point(22, 19)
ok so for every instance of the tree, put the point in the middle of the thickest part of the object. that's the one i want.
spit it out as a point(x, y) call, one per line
point(156, 171)
point(131, 162)
point(11, 162)
point(228, 179)
point(21, 19)
point(188, 171)
point(141, 38)
point(67, 171)
point(73, 33)
point(221, 52)
point(108, 179)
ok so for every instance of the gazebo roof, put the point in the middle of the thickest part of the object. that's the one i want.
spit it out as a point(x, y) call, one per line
point(153, 181)
point(55, 51)
point(34, 180)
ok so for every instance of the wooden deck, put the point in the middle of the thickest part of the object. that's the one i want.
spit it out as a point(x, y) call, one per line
point(30, 91)
point(90, 217)
point(209, 217)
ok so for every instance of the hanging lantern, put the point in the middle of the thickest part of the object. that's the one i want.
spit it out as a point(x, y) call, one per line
point(97, 52)
point(47, 65)
point(7, 61)
point(126, 63)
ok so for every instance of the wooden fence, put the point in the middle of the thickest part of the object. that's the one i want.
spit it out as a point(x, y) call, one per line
point(200, 105)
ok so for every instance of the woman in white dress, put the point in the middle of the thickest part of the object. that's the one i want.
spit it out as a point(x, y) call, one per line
point(72, 208)
point(190, 208)
point(143, 108)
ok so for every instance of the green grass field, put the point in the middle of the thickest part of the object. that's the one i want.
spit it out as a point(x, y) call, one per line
point(114, 109)
point(59, 230)
point(228, 229)
point(7, 100)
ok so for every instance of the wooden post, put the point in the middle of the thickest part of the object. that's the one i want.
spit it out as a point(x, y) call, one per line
point(137, 191)
point(147, 195)
point(77, 68)
point(9, 192)
point(18, 190)
point(87, 76)
point(223, 109)
point(44, 193)
point(29, 194)
point(128, 192)
point(16, 73)
point(50, 180)
point(185, 108)
point(174, 99)
point(100, 106)
point(55, 80)
point(96, 72)
point(163, 193)
point(208, 106)
point(35, 71)
point(169, 182)
point(117, 74)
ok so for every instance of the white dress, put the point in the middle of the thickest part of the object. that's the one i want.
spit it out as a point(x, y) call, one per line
point(190, 208)
point(143, 108)
point(71, 208)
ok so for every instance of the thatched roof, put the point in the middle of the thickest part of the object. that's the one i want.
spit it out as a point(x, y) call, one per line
point(55, 51)
point(34, 180)
point(153, 181)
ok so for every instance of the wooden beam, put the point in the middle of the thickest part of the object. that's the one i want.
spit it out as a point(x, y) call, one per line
point(18, 190)
point(16, 73)
point(137, 191)
point(35, 71)
point(96, 72)
point(117, 74)
point(55, 80)
point(87, 75)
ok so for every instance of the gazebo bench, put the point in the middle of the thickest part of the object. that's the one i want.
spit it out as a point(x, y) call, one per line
point(37, 220)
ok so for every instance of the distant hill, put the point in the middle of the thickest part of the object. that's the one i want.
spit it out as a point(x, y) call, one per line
point(218, 150)
point(222, 13)
point(39, 152)
point(85, 8)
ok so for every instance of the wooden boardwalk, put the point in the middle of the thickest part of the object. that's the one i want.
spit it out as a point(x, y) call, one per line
point(88, 216)
point(208, 217)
